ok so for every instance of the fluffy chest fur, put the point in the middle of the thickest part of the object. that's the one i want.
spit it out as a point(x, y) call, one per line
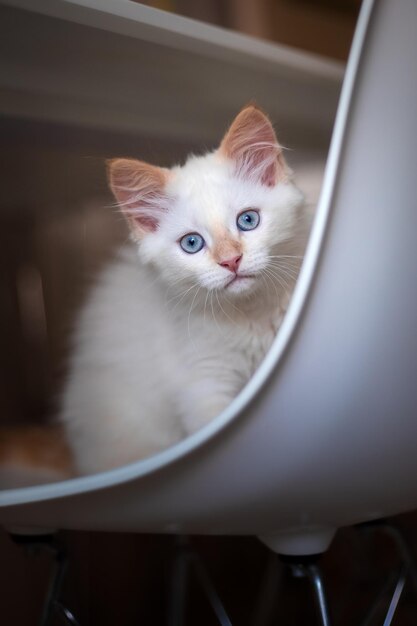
point(147, 370)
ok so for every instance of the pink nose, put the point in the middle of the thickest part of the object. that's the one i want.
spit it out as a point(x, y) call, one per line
point(232, 264)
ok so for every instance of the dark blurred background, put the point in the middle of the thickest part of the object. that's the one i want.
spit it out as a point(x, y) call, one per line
point(324, 27)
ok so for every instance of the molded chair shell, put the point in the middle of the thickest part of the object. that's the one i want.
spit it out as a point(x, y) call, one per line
point(325, 434)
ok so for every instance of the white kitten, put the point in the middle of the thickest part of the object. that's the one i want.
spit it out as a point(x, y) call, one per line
point(178, 324)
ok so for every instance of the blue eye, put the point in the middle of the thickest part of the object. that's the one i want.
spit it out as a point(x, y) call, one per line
point(192, 243)
point(248, 220)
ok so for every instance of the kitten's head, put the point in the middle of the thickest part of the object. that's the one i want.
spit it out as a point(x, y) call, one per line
point(219, 221)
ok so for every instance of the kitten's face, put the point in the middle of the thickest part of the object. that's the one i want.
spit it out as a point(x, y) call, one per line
point(220, 231)
point(218, 222)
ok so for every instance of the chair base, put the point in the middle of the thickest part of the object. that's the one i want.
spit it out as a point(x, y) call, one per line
point(185, 562)
point(47, 541)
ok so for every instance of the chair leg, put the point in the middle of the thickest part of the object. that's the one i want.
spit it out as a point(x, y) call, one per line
point(55, 584)
point(395, 598)
point(178, 583)
point(210, 591)
point(52, 603)
point(408, 569)
point(307, 567)
point(315, 577)
point(268, 591)
point(404, 549)
point(186, 561)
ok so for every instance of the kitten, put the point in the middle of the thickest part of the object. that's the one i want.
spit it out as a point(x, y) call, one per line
point(180, 321)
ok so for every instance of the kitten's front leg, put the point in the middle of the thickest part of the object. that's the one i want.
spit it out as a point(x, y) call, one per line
point(201, 402)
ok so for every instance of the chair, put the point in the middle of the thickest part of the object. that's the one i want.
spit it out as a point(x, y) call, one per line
point(325, 433)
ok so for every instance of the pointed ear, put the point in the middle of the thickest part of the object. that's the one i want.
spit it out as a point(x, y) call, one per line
point(139, 189)
point(252, 144)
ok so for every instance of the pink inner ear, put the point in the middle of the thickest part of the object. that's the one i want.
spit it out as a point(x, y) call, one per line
point(252, 144)
point(146, 222)
point(139, 189)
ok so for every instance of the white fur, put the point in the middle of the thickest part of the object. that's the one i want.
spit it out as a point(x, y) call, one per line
point(164, 344)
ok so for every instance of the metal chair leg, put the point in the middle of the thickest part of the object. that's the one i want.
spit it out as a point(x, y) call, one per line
point(271, 582)
point(307, 567)
point(55, 585)
point(186, 561)
point(210, 591)
point(314, 575)
point(404, 549)
point(178, 583)
point(396, 597)
point(408, 569)
point(52, 603)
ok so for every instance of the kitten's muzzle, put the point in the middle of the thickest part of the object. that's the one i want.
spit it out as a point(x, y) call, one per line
point(239, 277)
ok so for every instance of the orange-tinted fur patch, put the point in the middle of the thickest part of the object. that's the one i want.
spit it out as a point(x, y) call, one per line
point(226, 248)
point(36, 447)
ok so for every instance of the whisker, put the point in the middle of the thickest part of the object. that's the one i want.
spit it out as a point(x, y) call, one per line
point(285, 256)
point(172, 285)
point(275, 277)
point(282, 279)
point(190, 311)
point(212, 310)
point(295, 262)
point(288, 264)
point(221, 308)
point(293, 268)
point(235, 307)
point(178, 280)
point(264, 279)
point(182, 297)
point(205, 304)
point(269, 280)
point(290, 273)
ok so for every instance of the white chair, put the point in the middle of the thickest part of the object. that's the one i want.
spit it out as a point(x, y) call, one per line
point(325, 434)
